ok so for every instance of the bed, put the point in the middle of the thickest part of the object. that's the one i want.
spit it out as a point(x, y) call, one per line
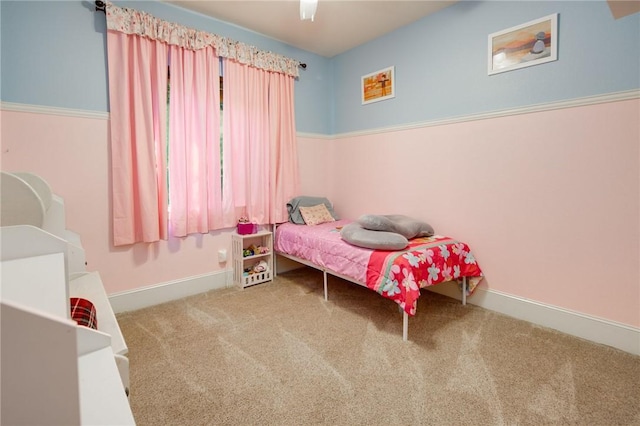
point(397, 275)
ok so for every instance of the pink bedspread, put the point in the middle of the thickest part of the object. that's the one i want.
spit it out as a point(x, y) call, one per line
point(397, 275)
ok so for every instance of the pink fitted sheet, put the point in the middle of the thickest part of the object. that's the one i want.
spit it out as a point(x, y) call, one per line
point(323, 246)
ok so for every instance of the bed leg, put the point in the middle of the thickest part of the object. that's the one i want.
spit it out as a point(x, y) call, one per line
point(273, 255)
point(324, 276)
point(405, 326)
point(464, 290)
point(275, 265)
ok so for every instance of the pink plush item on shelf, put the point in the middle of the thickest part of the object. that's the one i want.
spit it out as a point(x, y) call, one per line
point(245, 228)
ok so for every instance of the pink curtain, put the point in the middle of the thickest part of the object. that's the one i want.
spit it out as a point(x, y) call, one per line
point(260, 164)
point(194, 142)
point(284, 159)
point(258, 173)
point(131, 21)
point(138, 99)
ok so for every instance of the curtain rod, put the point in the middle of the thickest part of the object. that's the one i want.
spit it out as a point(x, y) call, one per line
point(102, 7)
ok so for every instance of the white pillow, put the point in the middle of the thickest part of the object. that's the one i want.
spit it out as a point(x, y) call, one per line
point(316, 215)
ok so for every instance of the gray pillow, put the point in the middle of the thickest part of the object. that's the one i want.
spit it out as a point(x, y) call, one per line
point(354, 234)
point(293, 207)
point(403, 225)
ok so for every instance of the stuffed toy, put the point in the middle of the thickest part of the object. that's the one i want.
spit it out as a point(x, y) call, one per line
point(261, 266)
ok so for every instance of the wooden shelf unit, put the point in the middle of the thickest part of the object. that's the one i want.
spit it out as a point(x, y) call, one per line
point(241, 262)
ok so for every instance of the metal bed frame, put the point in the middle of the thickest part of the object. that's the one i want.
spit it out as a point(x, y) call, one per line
point(325, 271)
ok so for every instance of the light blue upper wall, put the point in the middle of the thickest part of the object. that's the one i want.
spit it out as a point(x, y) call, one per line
point(53, 54)
point(441, 63)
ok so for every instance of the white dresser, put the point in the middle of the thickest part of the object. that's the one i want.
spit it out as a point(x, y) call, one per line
point(53, 370)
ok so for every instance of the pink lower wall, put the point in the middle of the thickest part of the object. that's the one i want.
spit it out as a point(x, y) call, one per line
point(548, 201)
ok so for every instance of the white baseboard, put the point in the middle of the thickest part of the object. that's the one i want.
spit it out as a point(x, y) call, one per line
point(594, 329)
point(166, 292)
point(587, 327)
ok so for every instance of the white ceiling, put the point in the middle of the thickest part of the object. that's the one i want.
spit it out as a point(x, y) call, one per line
point(339, 25)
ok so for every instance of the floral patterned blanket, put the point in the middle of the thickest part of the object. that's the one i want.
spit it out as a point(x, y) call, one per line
point(399, 275)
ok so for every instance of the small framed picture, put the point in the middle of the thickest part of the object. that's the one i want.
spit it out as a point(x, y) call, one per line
point(378, 86)
point(532, 43)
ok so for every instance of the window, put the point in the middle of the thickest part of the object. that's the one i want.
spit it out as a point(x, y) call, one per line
point(172, 145)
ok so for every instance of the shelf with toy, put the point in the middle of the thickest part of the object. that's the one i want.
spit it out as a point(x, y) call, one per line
point(252, 258)
point(255, 251)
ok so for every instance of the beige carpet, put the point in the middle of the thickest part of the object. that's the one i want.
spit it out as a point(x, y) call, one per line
point(278, 354)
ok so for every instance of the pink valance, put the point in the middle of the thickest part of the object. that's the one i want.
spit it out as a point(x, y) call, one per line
point(130, 21)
